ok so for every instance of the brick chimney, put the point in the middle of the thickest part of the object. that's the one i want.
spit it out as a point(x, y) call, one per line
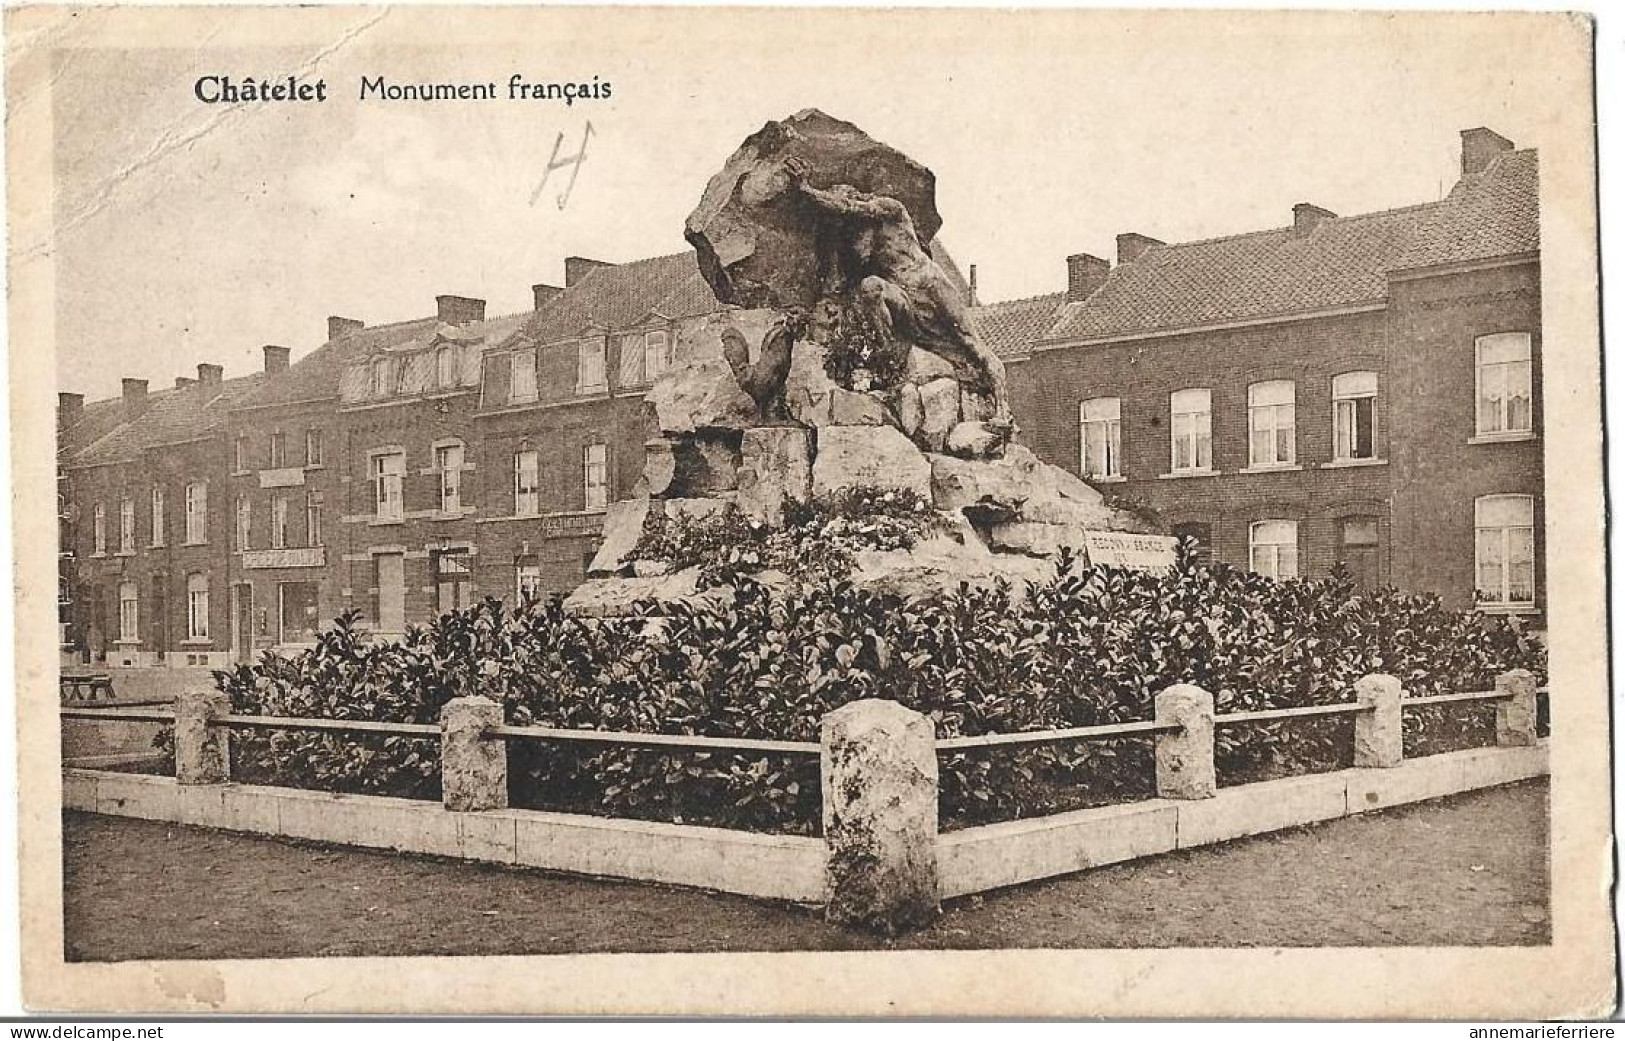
point(459, 310)
point(337, 326)
point(543, 294)
point(1306, 217)
point(1479, 147)
point(276, 358)
point(1084, 275)
point(182, 382)
point(974, 302)
point(210, 375)
point(577, 268)
point(1131, 244)
point(69, 407)
point(135, 397)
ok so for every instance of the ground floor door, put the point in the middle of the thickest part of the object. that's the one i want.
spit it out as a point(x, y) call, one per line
point(242, 621)
point(391, 568)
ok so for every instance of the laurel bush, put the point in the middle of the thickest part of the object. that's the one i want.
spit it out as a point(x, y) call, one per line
point(1091, 646)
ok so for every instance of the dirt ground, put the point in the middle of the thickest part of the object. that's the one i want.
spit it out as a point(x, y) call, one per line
point(1469, 870)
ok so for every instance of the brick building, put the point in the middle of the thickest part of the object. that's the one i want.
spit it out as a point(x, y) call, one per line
point(1361, 389)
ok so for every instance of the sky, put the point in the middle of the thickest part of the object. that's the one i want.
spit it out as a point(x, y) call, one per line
point(190, 233)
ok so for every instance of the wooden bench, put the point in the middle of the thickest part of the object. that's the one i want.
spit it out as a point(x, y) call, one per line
point(86, 686)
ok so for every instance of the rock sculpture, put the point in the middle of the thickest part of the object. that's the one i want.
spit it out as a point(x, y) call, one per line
point(847, 360)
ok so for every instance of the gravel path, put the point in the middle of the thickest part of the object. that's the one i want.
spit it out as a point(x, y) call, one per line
point(1469, 870)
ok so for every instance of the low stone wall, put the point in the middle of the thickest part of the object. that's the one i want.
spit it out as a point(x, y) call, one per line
point(995, 855)
point(777, 867)
point(781, 867)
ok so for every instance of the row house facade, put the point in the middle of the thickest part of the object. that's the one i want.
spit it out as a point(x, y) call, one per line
point(1360, 390)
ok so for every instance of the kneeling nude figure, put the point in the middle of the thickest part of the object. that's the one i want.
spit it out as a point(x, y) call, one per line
point(900, 289)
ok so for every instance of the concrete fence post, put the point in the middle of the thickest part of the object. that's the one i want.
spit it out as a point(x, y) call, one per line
point(1379, 732)
point(1515, 716)
point(879, 774)
point(202, 752)
point(1185, 767)
point(473, 768)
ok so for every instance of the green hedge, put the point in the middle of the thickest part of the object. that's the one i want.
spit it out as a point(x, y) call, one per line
point(1092, 646)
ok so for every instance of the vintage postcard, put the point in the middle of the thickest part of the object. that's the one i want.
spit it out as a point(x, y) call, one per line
point(808, 512)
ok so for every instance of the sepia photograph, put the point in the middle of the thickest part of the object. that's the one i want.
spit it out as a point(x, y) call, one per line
point(941, 512)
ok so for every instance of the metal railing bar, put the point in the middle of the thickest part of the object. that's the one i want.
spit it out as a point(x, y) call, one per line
point(689, 742)
point(359, 726)
point(1303, 712)
point(1044, 737)
point(117, 715)
point(1466, 695)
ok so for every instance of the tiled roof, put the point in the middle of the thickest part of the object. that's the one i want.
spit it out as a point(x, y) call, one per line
point(1344, 261)
point(96, 420)
point(1495, 213)
point(617, 296)
point(620, 296)
point(317, 374)
point(172, 416)
point(1009, 328)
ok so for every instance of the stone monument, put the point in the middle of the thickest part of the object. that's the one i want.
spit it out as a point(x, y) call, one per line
point(845, 359)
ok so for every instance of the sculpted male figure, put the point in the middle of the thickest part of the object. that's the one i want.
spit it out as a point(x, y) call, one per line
point(899, 288)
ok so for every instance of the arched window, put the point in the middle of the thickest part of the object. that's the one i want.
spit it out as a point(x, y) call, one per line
point(1504, 550)
point(1505, 393)
point(197, 606)
point(1100, 436)
point(1191, 426)
point(1354, 415)
point(1273, 548)
point(446, 367)
point(129, 613)
point(1272, 421)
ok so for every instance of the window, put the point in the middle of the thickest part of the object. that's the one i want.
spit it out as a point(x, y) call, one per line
point(313, 518)
point(445, 367)
point(388, 472)
point(526, 483)
point(389, 581)
point(1191, 424)
point(99, 528)
point(448, 464)
point(1273, 548)
point(126, 525)
point(1505, 551)
point(313, 447)
point(382, 382)
point(297, 607)
point(1354, 415)
point(528, 579)
point(279, 450)
point(1101, 436)
point(157, 515)
point(1504, 392)
point(244, 522)
point(239, 455)
point(1359, 551)
point(595, 473)
point(197, 513)
point(129, 613)
point(1201, 537)
point(197, 607)
point(453, 578)
point(656, 355)
point(590, 366)
point(279, 521)
point(1271, 419)
point(521, 377)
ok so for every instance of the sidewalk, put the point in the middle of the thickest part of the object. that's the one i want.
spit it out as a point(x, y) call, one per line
point(1469, 870)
